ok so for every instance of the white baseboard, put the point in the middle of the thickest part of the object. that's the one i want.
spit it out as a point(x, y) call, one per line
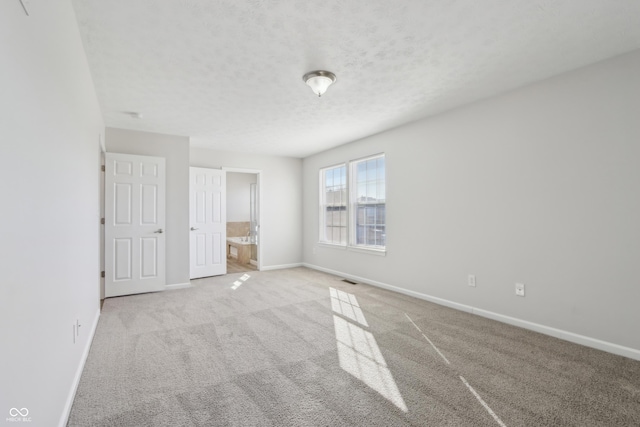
point(280, 267)
point(436, 300)
point(177, 286)
point(64, 419)
point(547, 330)
point(609, 347)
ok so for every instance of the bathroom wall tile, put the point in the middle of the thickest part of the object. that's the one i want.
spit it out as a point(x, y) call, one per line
point(237, 229)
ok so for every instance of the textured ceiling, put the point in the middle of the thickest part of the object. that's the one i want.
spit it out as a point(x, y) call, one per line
point(228, 73)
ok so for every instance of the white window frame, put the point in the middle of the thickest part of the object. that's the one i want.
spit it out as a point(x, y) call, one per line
point(353, 205)
point(351, 208)
point(322, 236)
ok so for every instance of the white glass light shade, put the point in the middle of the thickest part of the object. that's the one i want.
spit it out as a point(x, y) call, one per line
point(319, 81)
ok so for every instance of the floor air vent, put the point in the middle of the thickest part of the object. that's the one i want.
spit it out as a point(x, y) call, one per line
point(349, 281)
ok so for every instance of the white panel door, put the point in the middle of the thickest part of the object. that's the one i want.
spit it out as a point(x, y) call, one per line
point(134, 224)
point(208, 218)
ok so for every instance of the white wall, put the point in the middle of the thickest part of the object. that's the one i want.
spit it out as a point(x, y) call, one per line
point(175, 149)
point(281, 188)
point(540, 186)
point(50, 126)
point(238, 196)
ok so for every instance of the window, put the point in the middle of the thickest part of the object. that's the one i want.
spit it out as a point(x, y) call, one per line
point(333, 205)
point(369, 203)
point(355, 218)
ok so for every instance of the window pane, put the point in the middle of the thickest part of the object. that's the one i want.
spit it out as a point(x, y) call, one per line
point(381, 191)
point(380, 166)
point(371, 170)
point(336, 234)
point(362, 172)
point(371, 191)
point(371, 215)
point(368, 236)
point(382, 214)
point(360, 235)
point(362, 191)
point(381, 236)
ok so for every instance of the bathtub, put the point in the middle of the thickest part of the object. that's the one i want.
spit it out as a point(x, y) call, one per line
point(242, 246)
point(239, 240)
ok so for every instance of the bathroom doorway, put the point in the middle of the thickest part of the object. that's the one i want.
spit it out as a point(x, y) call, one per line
point(243, 220)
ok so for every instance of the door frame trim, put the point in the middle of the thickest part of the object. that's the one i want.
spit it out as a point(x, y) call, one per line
point(258, 173)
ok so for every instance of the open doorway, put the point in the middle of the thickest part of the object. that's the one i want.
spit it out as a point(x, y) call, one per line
point(243, 220)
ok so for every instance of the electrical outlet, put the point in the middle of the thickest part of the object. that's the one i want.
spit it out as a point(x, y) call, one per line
point(520, 289)
point(471, 280)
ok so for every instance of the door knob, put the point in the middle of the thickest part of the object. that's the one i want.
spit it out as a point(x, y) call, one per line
point(193, 229)
point(159, 230)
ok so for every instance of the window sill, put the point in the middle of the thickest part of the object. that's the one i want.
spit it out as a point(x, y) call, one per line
point(364, 250)
point(331, 245)
point(378, 252)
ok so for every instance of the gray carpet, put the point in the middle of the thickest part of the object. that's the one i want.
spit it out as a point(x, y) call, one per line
point(302, 348)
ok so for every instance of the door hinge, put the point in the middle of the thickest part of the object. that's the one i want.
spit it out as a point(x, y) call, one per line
point(102, 274)
point(101, 220)
point(102, 168)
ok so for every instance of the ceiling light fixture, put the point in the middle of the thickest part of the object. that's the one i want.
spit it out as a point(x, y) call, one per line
point(319, 81)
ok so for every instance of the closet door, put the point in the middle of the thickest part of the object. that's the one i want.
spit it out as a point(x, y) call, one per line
point(134, 224)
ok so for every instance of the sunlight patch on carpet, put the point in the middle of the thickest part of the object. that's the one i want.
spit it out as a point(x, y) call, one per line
point(347, 305)
point(358, 351)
